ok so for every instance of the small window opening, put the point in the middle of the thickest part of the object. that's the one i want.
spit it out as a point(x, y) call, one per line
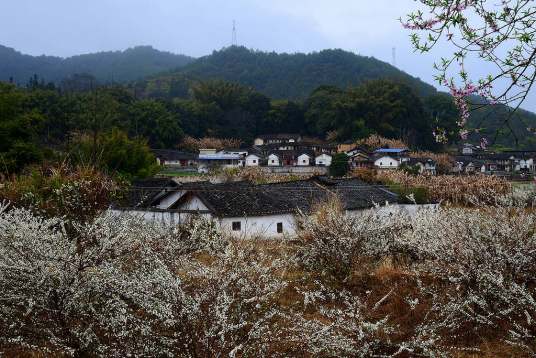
point(279, 228)
point(237, 225)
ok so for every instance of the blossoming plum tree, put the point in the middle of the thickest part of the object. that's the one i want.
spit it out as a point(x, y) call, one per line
point(500, 33)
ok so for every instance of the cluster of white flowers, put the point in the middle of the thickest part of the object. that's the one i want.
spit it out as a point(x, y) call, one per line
point(471, 269)
point(440, 282)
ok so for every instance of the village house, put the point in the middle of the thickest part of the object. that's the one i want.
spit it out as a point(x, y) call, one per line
point(274, 160)
point(175, 158)
point(323, 160)
point(276, 139)
point(508, 163)
point(425, 165)
point(470, 149)
point(468, 165)
point(253, 160)
point(390, 158)
point(243, 210)
point(304, 160)
point(360, 157)
point(386, 162)
point(210, 159)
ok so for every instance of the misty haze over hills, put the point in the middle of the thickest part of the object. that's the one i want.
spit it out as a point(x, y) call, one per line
point(120, 66)
point(276, 75)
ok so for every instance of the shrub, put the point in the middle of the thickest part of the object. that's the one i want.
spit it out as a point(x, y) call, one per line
point(336, 244)
point(73, 193)
point(104, 291)
point(467, 190)
point(117, 154)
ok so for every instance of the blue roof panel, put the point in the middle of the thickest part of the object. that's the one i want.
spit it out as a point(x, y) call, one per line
point(391, 150)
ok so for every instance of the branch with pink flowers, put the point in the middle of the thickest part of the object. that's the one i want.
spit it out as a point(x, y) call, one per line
point(501, 34)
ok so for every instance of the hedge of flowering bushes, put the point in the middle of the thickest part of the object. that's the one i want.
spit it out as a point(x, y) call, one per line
point(446, 282)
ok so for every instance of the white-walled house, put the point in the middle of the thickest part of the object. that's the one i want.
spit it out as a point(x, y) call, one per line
point(241, 152)
point(386, 162)
point(323, 160)
point(304, 160)
point(175, 158)
point(425, 165)
point(273, 160)
point(245, 210)
point(217, 160)
point(253, 160)
point(276, 139)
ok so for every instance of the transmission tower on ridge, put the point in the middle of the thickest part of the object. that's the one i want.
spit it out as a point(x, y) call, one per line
point(234, 41)
point(394, 56)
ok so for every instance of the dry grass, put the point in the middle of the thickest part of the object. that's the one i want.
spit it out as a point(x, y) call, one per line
point(456, 190)
point(194, 144)
point(376, 141)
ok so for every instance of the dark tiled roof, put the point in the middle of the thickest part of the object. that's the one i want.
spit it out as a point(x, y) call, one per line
point(168, 154)
point(465, 160)
point(414, 161)
point(496, 156)
point(356, 194)
point(280, 136)
point(292, 153)
point(246, 199)
point(143, 192)
point(237, 199)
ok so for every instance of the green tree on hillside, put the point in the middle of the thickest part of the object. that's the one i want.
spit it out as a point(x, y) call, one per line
point(339, 165)
point(151, 120)
point(117, 154)
point(19, 131)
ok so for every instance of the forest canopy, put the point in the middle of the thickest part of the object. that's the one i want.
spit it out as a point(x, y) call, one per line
point(41, 120)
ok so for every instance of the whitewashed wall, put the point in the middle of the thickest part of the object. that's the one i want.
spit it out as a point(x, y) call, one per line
point(252, 161)
point(163, 217)
point(323, 159)
point(386, 162)
point(395, 209)
point(194, 203)
point(304, 160)
point(260, 226)
point(273, 160)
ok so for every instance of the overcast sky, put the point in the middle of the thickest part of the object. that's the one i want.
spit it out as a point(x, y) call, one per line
point(196, 27)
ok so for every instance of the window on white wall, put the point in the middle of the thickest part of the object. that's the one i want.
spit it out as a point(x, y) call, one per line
point(279, 228)
point(237, 226)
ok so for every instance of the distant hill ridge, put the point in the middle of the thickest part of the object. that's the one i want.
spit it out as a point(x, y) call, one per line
point(120, 66)
point(165, 75)
point(291, 76)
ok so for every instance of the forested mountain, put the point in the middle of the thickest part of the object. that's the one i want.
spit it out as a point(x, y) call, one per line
point(117, 66)
point(297, 76)
point(291, 76)
point(293, 79)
